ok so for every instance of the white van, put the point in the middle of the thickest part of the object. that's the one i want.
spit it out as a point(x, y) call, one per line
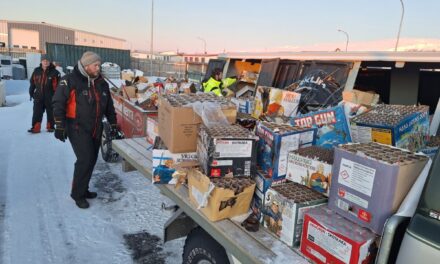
point(6, 66)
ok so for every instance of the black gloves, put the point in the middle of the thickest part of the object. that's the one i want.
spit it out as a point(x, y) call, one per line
point(114, 130)
point(60, 133)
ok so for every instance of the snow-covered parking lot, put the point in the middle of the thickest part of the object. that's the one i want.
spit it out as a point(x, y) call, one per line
point(40, 223)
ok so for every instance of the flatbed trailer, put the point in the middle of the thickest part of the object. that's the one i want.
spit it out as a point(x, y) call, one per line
point(240, 245)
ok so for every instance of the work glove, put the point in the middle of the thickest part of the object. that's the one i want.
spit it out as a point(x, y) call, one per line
point(60, 132)
point(114, 130)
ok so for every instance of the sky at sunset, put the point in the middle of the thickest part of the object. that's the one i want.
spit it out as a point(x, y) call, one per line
point(243, 25)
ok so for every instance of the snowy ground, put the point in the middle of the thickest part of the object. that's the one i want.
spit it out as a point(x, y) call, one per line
point(39, 222)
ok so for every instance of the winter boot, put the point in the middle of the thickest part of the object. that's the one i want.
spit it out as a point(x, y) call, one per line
point(91, 195)
point(49, 127)
point(82, 203)
point(35, 128)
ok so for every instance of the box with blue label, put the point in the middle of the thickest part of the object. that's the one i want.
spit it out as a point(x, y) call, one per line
point(403, 126)
point(244, 105)
point(164, 162)
point(275, 142)
point(331, 123)
point(431, 147)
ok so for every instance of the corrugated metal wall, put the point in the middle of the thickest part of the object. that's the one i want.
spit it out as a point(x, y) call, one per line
point(68, 55)
point(47, 33)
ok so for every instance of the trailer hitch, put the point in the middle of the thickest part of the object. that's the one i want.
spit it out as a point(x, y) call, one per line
point(173, 208)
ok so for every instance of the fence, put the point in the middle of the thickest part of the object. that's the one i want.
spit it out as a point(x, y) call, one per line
point(179, 70)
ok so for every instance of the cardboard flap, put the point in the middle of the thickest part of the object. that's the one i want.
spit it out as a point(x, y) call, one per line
point(360, 97)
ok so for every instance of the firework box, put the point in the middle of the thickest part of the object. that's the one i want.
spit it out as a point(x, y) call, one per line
point(371, 180)
point(332, 126)
point(152, 129)
point(275, 142)
point(179, 125)
point(209, 198)
point(284, 209)
point(244, 105)
point(312, 172)
point(263, 183)
point(330, 238)
point(409, 132)
point(164, 161)
point(273, 102)
point(229, 149)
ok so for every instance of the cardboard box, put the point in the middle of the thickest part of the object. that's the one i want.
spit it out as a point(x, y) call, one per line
point(360, 97)
point(217, 203)
point(129, 92)
point(371, 180)
point(263, 183)
point(329, 238)
point(276, 141)
point(244, 105)
point(306, 167)
point(163, 162)
point(152, 129)
point(284, 209)
point(402, 126)
point(179, 125)
point(227, 150)
point(332, 126)
point(432, 146)
point(273, 102)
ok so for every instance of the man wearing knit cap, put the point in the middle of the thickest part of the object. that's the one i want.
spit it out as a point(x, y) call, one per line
point(80, 102)
point(44, 81)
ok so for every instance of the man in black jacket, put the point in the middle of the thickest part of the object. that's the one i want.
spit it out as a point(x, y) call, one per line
point(80, 102)
point(44, 81)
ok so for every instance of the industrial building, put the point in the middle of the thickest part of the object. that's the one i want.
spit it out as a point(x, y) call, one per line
point(35, 35)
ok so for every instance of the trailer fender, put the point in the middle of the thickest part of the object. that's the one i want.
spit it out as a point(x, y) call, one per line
point(179, 225)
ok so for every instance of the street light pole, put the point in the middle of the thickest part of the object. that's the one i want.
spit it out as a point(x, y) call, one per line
point(204, 43)
point(348, 39)
point(400, 25)
point(151, 39)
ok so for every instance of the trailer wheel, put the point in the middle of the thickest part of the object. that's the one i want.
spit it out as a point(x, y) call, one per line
point(107, 153)
point(201, 248)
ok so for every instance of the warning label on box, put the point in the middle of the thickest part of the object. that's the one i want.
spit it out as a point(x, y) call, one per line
point(356, 176)
point(334, 245)
point(383, 136)
point(361, 134)
point(233, 148)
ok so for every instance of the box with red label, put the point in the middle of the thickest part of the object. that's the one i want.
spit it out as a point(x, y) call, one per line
point(329, 238)
point(331, 123)
point(227, 150)
point(370, 180)
point(152, 129)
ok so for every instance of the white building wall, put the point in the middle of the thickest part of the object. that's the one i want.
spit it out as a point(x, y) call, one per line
point(89, 39)
point(24, 38)
point(4, 32)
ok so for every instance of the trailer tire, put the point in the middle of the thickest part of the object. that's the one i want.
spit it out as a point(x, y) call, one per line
point(200, 247)
point(107, 153)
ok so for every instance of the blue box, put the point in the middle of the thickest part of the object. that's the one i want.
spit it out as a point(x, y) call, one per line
point(275, 142)
point(331, 123)
point(401, 126)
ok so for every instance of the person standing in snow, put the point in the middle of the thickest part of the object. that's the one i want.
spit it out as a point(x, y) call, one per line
point(44, 81)
point(80, 102)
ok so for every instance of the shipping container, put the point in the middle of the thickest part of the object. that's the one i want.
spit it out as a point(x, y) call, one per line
point(68, 55)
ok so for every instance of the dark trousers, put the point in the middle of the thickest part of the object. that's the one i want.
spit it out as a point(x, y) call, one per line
point(86, 150)
point(41, 105)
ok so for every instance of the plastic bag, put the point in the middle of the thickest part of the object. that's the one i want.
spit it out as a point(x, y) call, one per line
point(211, 113)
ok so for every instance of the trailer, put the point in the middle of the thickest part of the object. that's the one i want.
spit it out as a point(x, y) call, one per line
point(215, 242)
point(132, 122)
